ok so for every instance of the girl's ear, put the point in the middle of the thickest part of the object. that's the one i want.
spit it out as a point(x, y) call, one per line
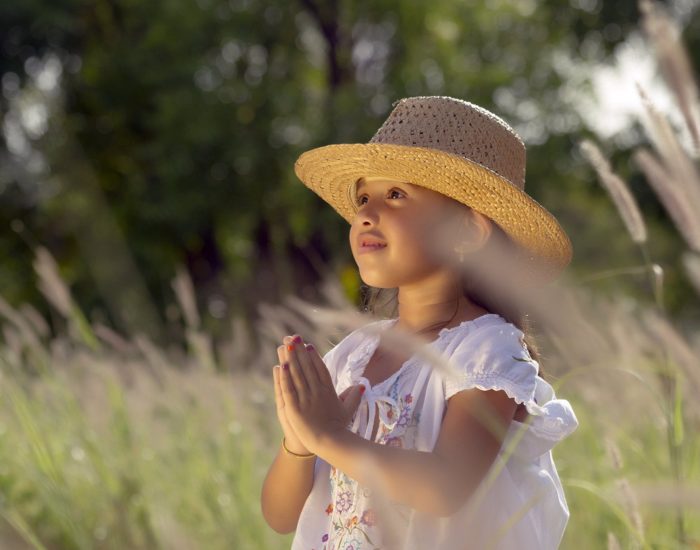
point(478, 227)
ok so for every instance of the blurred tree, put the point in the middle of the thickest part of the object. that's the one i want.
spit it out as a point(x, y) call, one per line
point(189, 116)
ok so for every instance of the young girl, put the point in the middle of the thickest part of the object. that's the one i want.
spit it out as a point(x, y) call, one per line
point(383, 446)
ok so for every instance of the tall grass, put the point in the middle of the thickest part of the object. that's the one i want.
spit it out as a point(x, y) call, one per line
point(672, 375)
point(132, 446)
point(110, 442)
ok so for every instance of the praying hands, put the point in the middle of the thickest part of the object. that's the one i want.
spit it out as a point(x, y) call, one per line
point(308, 407)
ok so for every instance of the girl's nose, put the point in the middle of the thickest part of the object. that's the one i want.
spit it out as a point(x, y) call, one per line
point(367, 220)
point(367, 214)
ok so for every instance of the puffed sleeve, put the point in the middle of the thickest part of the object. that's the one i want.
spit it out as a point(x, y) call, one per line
point(494, 357)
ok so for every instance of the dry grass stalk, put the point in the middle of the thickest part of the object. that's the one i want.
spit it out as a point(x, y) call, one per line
point(691, 263)
point(201, 347)
point(50, 283)
point(629, 501)
point(156, 360)
point(12, 350)
point(30, 337)
point(200, 344)
point(613, 543)
point(667, 494)
point(675, 158)
point(341, 319)
point(235, 352)
point(631, 506)
point(272, 331)
point(184, 292)
point(580, 337)
point(618, 190)
point(658, 275)
point(671, 196)
point(671, 341)
point(613, 452)
point(36, 320)
point(28, 346)
point(113, 339)
point(333, 294)
point(674, 63)
point(676, 172)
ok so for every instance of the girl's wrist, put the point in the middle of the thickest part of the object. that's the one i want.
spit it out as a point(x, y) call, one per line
point(295, 452)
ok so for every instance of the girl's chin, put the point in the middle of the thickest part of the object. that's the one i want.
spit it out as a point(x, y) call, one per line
point(376, 281)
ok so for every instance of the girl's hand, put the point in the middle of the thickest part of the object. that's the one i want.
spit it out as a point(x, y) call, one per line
point(292, 441)
point(311, 405)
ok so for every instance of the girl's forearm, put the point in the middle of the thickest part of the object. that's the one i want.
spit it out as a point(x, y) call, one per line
point(285, 490)
point(418, 479)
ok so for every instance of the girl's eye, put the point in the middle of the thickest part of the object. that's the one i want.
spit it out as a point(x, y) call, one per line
point(359, 200)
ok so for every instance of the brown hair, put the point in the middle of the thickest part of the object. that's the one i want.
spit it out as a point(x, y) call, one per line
point(477, 288)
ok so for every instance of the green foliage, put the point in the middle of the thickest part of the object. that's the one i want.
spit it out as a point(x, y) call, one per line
point(178, 125)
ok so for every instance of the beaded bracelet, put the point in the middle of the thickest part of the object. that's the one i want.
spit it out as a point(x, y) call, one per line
point(295, 454)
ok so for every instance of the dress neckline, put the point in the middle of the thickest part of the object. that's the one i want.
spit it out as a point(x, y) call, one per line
point(385, 324)
point(447, 330)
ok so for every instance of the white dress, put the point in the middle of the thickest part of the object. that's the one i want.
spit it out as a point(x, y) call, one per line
point(523, 504)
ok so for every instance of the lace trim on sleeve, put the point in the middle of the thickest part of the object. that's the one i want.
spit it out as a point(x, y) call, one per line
point(496, 382)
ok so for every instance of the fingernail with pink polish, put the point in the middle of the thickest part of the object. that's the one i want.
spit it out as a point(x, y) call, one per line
point(285, 366)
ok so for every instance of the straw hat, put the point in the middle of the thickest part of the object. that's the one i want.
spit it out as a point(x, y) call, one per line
point(455, 148)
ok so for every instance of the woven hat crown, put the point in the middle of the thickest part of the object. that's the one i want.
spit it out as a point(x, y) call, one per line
point(458, 127)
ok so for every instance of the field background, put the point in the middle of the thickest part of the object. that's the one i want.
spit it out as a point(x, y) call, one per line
point(157, 246)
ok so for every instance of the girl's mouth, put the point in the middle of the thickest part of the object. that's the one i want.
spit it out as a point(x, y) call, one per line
point(371, 247)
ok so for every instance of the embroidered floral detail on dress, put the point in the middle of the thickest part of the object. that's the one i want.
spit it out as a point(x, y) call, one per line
point(368, 517)
point(402, 434)
point(406, 411)
point(351, 514)
point(343, 502)
point(350, 522)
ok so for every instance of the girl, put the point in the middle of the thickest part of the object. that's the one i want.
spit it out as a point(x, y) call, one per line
point(385, 447)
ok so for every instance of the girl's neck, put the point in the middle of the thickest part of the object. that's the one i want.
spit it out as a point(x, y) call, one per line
point(431, 317)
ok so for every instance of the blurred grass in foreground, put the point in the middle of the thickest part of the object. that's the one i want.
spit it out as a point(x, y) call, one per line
point(102, 450)
point(122, 445)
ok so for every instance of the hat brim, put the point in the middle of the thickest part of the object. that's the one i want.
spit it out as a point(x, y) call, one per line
point(331, 170)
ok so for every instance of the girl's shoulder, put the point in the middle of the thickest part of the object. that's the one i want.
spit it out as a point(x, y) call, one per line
point(494, 340)
point(491, 355)
point(487, 330)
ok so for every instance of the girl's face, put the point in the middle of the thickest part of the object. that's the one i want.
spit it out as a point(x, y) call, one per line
point(411, 221)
